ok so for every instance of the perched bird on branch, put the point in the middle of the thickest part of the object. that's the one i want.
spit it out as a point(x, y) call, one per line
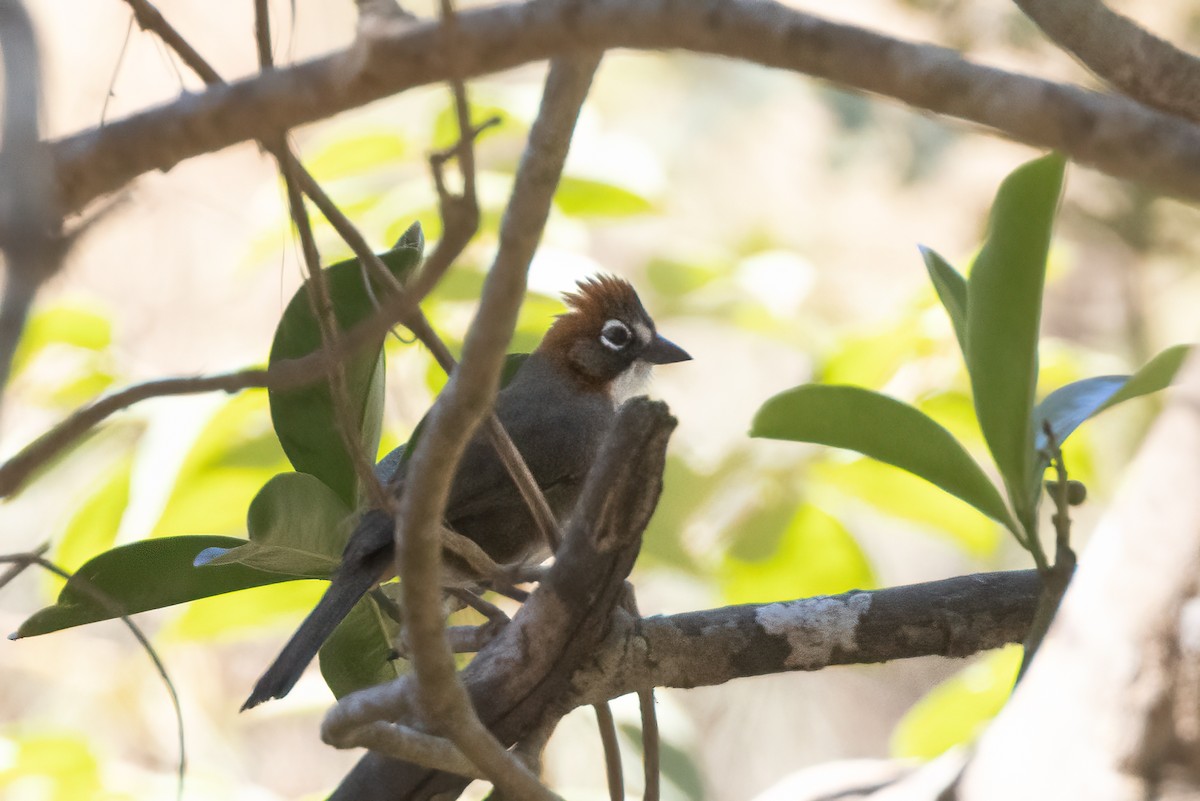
point(556, 409)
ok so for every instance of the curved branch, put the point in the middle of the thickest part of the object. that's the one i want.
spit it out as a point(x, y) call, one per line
point(1111, 133)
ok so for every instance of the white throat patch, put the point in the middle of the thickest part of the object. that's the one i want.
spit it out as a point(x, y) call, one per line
point(631, 382)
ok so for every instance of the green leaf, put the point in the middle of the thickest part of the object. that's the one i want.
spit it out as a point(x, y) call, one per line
point(902, 495)
point(1067, 407)
point(1156, 374)
point(62, 324)
point(951, 291)
point(882, 428)
point(815, 556)
point(304, 418)
point(144, 575)
point(298, 527)
point(356, 655)
point(93, 528)
point(234, 455)
point(585, 197)
point(1004, 306)
point(243, 615)
point(361, 153)
point(956, 711)
point(60, 765)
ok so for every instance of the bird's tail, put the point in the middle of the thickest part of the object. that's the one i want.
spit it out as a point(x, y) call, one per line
point(348, 585)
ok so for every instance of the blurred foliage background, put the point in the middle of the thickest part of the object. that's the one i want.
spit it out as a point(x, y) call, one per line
point(770, 223)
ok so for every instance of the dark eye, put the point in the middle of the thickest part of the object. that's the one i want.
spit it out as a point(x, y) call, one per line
point(615, 335)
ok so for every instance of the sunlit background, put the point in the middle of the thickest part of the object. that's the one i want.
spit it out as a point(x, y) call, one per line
point(770, 223)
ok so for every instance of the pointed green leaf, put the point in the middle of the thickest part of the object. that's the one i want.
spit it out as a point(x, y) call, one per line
point(356, 655)
point(1004, 307)
point(304, 417)
point(814, 555)
point(93, 528)
point(1155, 375)
point(954, 712)
point(586, 197)
point(298, 527)
point(234, 455)
point(144, 575)
point(951, 291)
point(1067, 407)
point(884, 429)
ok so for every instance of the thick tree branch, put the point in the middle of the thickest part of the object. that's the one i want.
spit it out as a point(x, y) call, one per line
point(953, 617)
point(1125, 55)
point(1111, 133)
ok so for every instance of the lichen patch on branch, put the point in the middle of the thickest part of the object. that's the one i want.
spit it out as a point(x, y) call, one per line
point(827, 624)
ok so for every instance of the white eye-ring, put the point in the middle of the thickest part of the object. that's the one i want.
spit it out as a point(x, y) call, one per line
point(615, 335)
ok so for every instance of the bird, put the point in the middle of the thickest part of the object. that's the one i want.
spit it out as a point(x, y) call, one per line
point(557, 408)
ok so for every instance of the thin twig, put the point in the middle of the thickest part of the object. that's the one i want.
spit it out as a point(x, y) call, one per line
point(262, 35)
point(149, 19)
point(322, 307)
point(112, 82)
point(650, 745)
point(1057, 577)
point(23, 560)
point(612, 751)
point(19, 565)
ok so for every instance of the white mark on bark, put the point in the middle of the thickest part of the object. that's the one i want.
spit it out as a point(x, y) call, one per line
point(814, 627)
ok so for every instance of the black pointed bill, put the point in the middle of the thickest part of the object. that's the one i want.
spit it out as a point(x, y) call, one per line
point(664, 351)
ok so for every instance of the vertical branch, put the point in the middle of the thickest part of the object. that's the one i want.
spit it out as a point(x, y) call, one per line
point(29, 220)
point(650, 745)
point(1056, 577)
point(262, 34)
point(457, 413)
point(612, 751)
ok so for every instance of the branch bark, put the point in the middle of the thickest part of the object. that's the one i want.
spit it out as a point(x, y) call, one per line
point(1110, 133)
point(1125, 55)
point(954, 617)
